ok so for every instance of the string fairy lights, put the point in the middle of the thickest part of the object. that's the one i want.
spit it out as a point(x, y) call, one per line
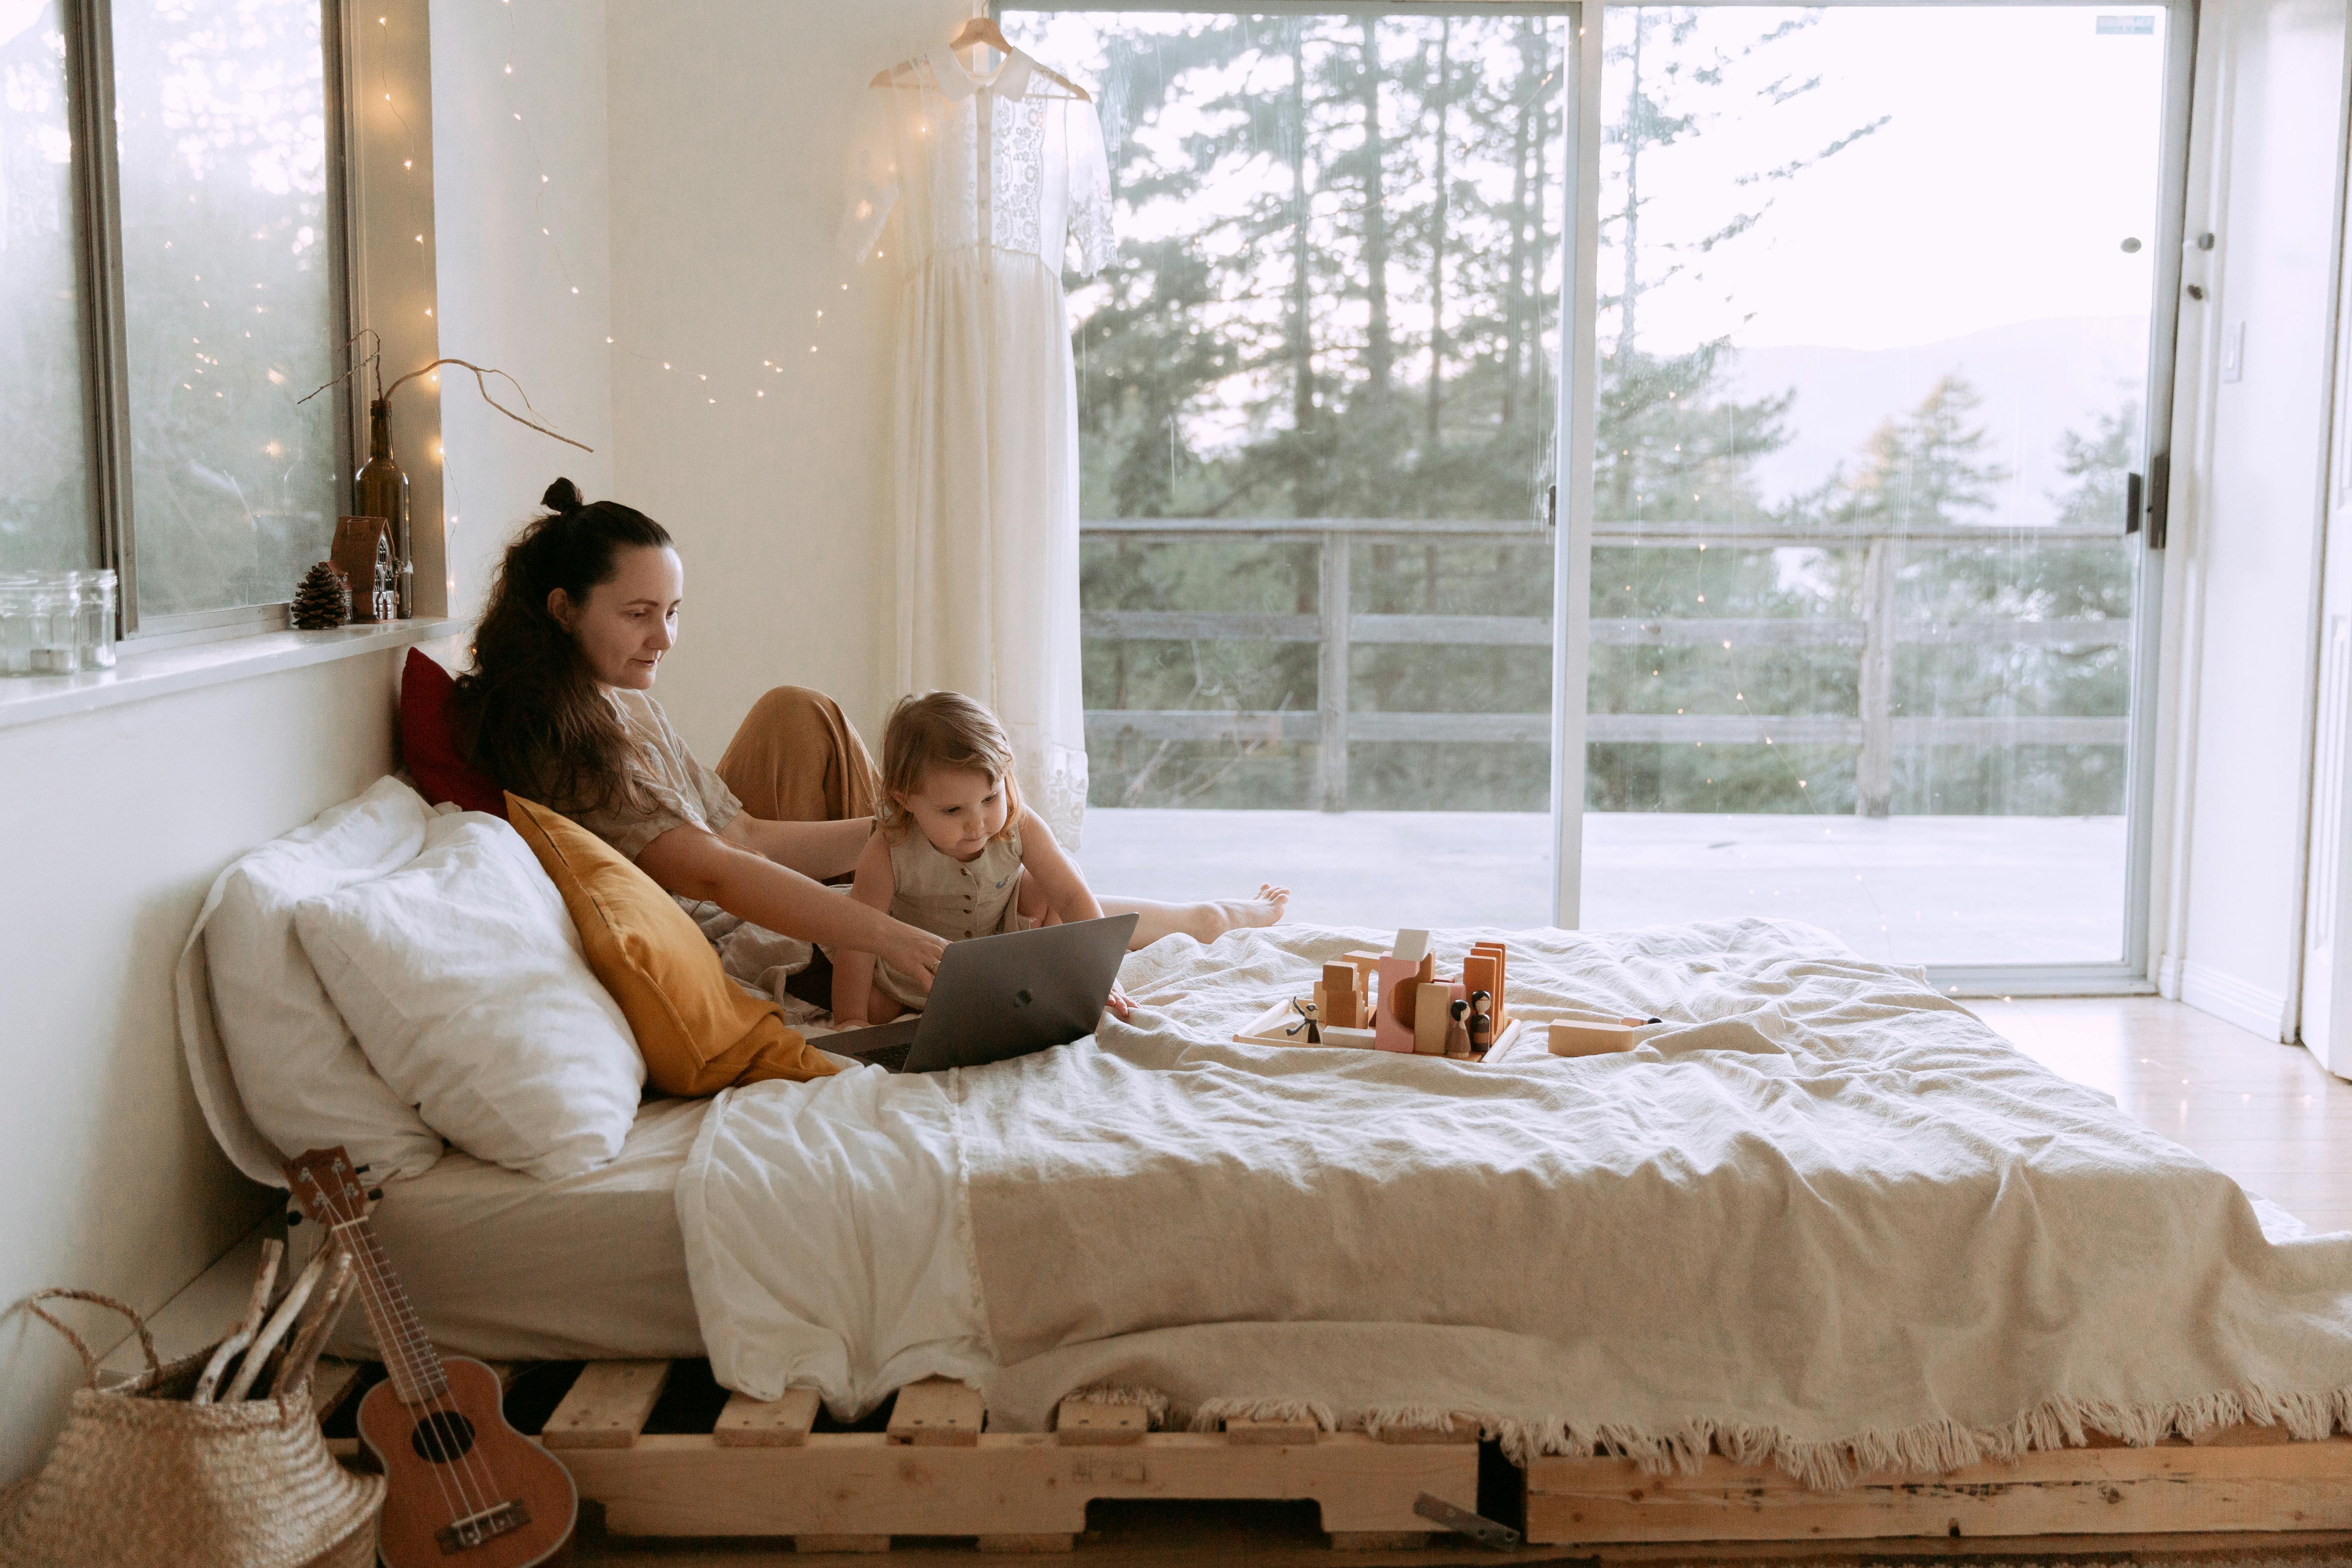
point(730, 386)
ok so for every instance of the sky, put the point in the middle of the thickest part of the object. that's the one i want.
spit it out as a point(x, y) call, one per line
point(2019, 152)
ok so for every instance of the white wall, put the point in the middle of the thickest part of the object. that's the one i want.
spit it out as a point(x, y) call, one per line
point(506, 289)
point(109, 1179)
point(729, 141)
point(2248, 540)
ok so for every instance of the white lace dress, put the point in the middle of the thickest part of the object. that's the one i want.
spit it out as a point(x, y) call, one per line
point(975, 187)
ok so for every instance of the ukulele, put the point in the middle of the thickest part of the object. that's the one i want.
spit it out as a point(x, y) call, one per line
point(462, 1487)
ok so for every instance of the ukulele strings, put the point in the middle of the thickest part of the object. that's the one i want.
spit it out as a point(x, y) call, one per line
point(397, 1349)
point(469, 1464)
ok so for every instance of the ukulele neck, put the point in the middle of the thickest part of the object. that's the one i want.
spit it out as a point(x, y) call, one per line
point(410, 1361)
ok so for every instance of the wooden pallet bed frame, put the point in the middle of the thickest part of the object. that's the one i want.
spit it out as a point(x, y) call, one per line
point(762, 1470)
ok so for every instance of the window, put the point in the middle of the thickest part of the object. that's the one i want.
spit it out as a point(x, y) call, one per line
point(1317, 415)
point(170, 292)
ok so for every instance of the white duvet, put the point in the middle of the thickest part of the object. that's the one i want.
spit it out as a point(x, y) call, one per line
point(1822, 1216)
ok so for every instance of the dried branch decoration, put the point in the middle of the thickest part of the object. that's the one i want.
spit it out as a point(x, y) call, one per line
point(480, 374)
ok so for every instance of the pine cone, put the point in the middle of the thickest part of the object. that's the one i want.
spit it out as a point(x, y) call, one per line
point(323, 602)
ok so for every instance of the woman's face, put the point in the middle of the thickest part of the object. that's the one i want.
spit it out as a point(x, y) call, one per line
point(629, 622)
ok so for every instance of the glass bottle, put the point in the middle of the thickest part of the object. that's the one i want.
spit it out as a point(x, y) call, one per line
point(94, 637)
point(381, 490)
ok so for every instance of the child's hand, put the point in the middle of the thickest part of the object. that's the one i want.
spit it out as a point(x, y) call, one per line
point(1122, 1005)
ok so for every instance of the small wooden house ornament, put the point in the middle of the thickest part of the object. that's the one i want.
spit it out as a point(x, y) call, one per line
point(363, 553)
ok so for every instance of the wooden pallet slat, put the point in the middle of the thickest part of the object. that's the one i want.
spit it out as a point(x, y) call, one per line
point(1249, 1432)
point(749, 1423)
point(1004, 1485)
point(2174, 1486)
point(608, 1408)
point(1081, 1423)
point(1460, 1428)
point(936, 1413)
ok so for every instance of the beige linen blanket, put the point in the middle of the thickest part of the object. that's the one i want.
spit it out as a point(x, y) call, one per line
point(1822, 1217)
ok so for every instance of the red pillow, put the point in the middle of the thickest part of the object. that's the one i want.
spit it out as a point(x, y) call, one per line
point(426, 746)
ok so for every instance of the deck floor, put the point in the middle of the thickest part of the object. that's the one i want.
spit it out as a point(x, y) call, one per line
point(1904, 890)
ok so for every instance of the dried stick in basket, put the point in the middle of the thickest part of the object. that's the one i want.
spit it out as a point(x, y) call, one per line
point(326, 1307)
point(279, 1321)
point(271, 1251)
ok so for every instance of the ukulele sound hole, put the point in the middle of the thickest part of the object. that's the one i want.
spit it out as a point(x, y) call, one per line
point(442, 1437)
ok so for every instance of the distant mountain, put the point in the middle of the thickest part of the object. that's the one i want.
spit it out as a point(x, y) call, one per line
point(2038, 379)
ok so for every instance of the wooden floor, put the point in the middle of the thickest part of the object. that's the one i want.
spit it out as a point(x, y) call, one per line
point(2267, 1113)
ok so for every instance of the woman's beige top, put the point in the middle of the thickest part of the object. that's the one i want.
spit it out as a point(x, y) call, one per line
point(674, 790)
point(951, 898)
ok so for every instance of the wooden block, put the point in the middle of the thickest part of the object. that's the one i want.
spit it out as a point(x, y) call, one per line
point(1508, 1040)
point(1243, 1431)
point(1380, 1540)
point(1340, 987)
point(331, 1385)
point(841, 1544)
point(1083, 1424)
point(1573, 1040)
point(1502, 986)
point(1400, 980)
point(1365, 964)
point(1433, 1015)
point(608, 1406)
point(1411, 946)
point(749, 1423)
point(935, 1414)
point(1464, 1429)
point(1050, 1542)
point(1483, 972)
point(1359, 1040)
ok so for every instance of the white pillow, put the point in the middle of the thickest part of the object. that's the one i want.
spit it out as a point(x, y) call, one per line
point(464, 980)
point(302, 1079)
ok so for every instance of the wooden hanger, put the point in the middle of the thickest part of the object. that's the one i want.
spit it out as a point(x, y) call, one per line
point(980, 30)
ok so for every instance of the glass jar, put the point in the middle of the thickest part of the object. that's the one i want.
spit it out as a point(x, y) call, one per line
point(56, 610)
point(17, 622)
point(94, 619)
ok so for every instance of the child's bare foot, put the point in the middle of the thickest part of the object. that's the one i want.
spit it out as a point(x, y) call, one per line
point(1206, 923)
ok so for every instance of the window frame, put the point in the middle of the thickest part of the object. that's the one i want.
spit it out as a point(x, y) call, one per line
point(95, 174)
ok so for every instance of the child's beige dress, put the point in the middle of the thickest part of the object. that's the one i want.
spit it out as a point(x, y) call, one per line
point(951, 898)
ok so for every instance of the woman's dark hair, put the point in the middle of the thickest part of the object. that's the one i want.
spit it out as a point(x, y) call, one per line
point(530, 713)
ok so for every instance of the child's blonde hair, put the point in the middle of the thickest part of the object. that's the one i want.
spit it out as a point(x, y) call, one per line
point(942, 729)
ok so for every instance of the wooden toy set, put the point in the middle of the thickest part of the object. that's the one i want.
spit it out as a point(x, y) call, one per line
point(1396, 1001)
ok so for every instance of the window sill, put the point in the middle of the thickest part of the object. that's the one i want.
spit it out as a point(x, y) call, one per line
point(28, 700)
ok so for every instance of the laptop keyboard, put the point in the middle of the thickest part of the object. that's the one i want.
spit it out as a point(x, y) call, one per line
point(889, 1058)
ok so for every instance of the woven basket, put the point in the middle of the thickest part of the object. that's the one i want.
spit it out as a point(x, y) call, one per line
point(140, 1477)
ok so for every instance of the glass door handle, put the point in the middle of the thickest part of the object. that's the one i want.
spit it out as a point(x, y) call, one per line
point(2134, 497)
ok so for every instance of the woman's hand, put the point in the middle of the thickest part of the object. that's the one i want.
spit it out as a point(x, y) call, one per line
point(913, 952)
point(1121, 1005)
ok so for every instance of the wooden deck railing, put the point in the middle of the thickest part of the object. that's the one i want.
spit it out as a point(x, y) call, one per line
point(1875, 732)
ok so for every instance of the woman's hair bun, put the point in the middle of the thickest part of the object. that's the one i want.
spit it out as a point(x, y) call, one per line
point(562, 497)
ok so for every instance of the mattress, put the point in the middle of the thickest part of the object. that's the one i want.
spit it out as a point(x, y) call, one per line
point(504, 1266)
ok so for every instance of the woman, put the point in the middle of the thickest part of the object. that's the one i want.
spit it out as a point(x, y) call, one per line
point(584, 606)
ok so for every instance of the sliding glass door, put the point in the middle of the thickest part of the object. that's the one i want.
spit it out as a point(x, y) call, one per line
point(1881, 337)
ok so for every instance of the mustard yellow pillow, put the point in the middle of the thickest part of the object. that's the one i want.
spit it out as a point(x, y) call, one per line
point(698, 1031)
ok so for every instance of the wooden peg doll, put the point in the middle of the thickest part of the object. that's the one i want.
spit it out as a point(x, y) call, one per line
point(1480, 1022)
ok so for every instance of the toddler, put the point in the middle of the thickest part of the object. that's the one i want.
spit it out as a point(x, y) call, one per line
point(954, 850)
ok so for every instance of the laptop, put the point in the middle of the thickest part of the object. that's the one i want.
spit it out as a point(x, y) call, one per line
point(996, 997)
